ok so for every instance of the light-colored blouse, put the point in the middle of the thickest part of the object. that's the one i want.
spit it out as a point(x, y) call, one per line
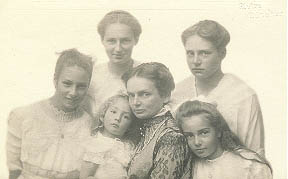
point(112, 156)
point(44, 142)
point(230, 166)
point(104, 84)
point(238, 104)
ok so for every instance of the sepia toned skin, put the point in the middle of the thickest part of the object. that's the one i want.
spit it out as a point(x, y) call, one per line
point(205, 45)
point(144, 97)
point(59, 120)
point(119, 32)
point(71, 88)
point(202, 138)
point(117, 119)
point(119, 42)
point(215, 147)
point(162, 149)
point(203, 58)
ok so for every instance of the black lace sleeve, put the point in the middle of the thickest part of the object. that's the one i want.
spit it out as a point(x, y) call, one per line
point(170, 156)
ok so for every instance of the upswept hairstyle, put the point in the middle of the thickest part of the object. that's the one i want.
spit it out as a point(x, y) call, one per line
point(209, 30)
point(131, 134)
point(229, 141)
point(72, 57)
point(158, 73)
point(122, 17)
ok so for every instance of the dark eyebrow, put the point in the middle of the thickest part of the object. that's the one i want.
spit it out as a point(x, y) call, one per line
point(187, 133)
point(205, 50)
point(83, 84)
point(140, 92)
point(67, 80)
point(126, 38)
point(110, 38)
point(204, 129)
point(145, 91)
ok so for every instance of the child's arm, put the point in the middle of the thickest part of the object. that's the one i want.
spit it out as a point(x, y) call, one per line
point(88, 170)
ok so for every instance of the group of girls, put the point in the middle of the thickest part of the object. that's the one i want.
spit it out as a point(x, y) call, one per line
point(129, 124)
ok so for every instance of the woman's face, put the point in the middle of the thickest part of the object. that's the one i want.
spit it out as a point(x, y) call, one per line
point(144, 97)
point(117, 118)
point(119, 41)
point(202, 138)
point(203, 59)
point(71, 87)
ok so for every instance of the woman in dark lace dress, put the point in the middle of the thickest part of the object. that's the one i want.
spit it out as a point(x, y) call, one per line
point(162, 151)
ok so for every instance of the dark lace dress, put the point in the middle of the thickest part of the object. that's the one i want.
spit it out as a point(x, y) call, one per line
point(162, 152)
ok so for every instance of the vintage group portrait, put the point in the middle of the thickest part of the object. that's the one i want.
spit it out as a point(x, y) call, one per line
point(136, 90)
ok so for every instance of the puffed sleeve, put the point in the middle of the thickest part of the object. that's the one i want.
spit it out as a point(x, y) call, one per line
point(259, 171)
point(250, 124)
point(14, 139)
point(94, 151)
point(170, 156)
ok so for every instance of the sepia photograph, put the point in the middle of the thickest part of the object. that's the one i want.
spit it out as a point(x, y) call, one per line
point(152, 89)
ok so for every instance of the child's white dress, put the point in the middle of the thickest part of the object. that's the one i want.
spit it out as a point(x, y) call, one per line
point(112, 156)
point(230, 166)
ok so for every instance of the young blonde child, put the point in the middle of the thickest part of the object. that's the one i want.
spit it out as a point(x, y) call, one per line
point(108, 150)
point(216, 152)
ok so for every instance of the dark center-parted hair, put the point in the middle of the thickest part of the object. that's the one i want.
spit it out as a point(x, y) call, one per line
point(229, 141)
point(122, 17)
point(209, 30)
point(72, 57)
point(158, 73)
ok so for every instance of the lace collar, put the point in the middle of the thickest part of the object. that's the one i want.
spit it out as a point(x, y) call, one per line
point(158, 118)
point(62, 116)
point(218, 158)
point(100, 135)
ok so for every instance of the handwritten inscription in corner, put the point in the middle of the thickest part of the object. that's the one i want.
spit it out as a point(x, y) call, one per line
point(256, 10)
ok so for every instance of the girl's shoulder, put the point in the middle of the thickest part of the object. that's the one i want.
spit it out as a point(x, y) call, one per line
point(28, 112)
point(98, 143)
point(235, 166)
point(239, 85)
point(248, 159)
point(252, 156)
point(258, 167)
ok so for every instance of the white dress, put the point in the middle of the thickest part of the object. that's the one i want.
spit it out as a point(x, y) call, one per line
point(112, 156)
point(104, 84)
point(238, 104)
point(230, 166)
point(44, 142)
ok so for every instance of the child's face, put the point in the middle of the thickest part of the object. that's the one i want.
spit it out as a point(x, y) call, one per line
point(117, 118)
point(144, 97)
point(202, 137)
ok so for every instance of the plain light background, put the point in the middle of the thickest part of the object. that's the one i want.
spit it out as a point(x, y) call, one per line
point(32, 31)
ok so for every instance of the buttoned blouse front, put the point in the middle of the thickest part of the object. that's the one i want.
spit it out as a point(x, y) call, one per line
point(41, 136)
